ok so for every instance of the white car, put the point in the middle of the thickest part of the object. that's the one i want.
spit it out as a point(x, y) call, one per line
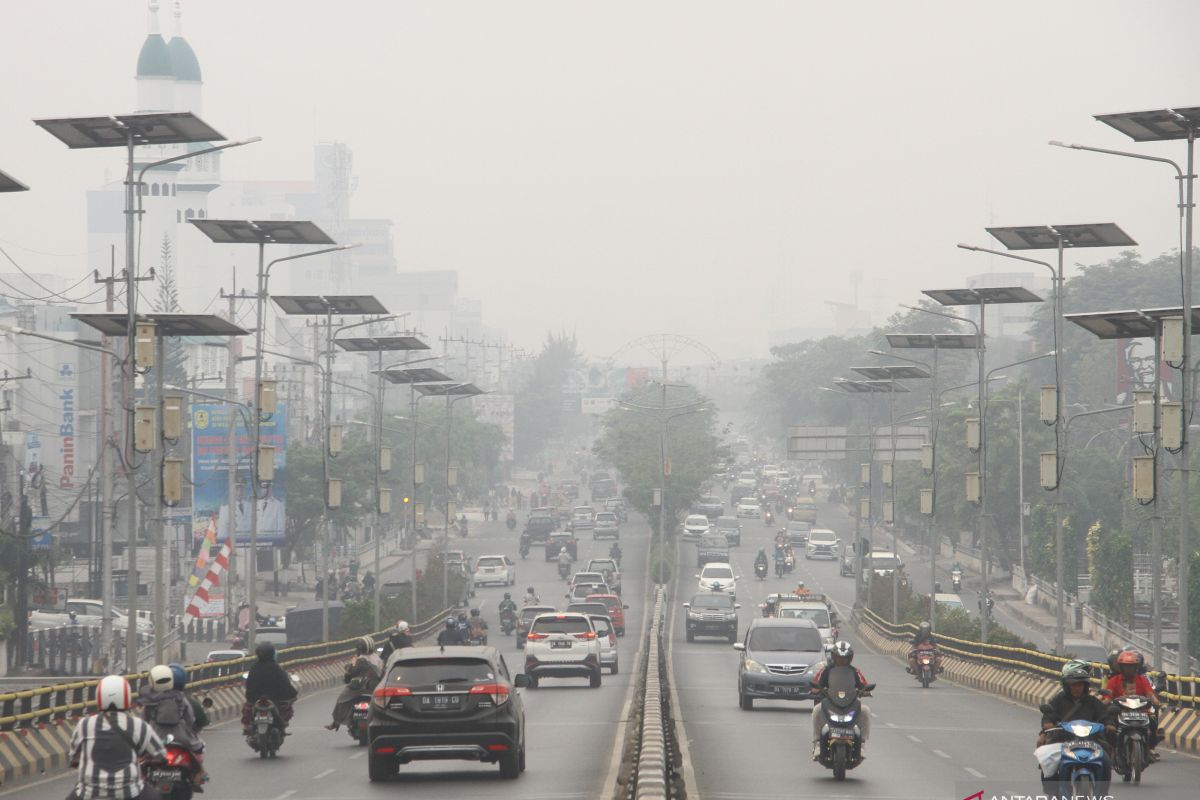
point(88, 613)
point(606, 635)
point(747, 479)
point(718, 576)
point(769, 471)
point(495, 569)
point(695, 526)
point(882, 563)
point(748, 508)
point(951, 601)
point(821, 542)
point(562, 645)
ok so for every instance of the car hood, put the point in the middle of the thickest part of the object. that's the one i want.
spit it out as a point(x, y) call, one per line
point(808, 657)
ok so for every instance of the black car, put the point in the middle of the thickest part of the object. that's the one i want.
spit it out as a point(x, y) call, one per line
point(710, 506)
point(731, 529)
point(797, 533)
point(712, 614)
point(539, 526)
point(711, 548)
point(557, 541)
point(456, 703)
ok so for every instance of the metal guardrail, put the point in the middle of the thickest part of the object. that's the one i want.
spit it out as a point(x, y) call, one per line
point(655, 752)
point(59, 701)
point(1181, 689)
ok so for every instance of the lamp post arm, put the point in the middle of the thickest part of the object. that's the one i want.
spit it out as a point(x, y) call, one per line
point(1126, 154)
point(1019, 363)
point(1002, 254)
point(16, 331)
point(307, 254)
point(967, 320)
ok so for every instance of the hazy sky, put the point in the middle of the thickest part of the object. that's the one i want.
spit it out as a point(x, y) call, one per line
point(713, 169)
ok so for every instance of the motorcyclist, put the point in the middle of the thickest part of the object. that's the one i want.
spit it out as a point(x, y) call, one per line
point(840, 655)
point(507, 604)
point(1075, 701)
point(531, 597)
point(267, 679)
point(106, 747)
point(1128, 681)
point(769, 517)
point(181, 681)
point(169, 712)
point(761, 558)
point(360, 678)
point(400, 638)
point(769, 605)
point(614, 553)
point(477, 627)
point(523, 543)
point(801, 590)
point(449, 635)
point(923, 636)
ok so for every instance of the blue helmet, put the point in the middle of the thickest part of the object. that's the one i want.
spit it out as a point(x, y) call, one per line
point(181, 675)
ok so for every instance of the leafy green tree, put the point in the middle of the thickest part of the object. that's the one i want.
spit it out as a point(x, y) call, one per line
point(538, 405)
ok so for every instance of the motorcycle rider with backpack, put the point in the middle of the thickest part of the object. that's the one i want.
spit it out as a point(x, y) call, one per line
point(106, 747)
point(170, 713)
point(267, 679)
point(361, 676)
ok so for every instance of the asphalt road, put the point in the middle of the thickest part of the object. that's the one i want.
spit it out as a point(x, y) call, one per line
point(572, 729)
point(943, 743)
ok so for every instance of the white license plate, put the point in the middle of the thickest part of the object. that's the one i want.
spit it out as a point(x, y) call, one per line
point(560, 645)
point(160, 775)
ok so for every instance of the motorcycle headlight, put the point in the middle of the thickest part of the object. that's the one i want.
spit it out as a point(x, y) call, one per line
point(753, 666)
point(848, 717)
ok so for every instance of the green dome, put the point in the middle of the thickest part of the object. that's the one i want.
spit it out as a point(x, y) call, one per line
point(184, 65)
point(155, 60)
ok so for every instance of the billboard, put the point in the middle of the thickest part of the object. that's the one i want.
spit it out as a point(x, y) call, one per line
point(210, 494)
point(497, 409)
point(54, 469)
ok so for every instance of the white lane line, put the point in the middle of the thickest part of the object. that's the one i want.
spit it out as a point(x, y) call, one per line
point(975, 772)
point(890, 724)
point(359, 754)
point(323, 773)
point(285, 795)
point(941, 754)
point(912, 738)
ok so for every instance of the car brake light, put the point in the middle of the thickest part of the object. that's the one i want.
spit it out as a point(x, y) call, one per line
point(533, 637)
point(586, 635)
point(383, 694)
point(497, 748)
point(497, 692)
point(385, 751)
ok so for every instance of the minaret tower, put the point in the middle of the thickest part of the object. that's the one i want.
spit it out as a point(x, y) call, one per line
point(155, 75)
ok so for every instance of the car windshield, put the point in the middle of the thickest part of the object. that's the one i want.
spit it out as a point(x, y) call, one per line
point(717, 572)
point(747, 503)
point(606, 516)
point(798, 527)
point(697, 520)
point(490, 561)
point(429, 671)
point(884, 562)
point(225, 656)
point(822, 538)
point(712, 601)
point(561, 625)
point(819, 616)
point(709, 500)
point(785, 639)
point(598, 565)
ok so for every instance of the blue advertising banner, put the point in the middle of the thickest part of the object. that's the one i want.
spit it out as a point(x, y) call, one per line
point(210, 494)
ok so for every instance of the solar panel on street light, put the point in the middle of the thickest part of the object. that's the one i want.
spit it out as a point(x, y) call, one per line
point(10, 184)
point(990, 295)
point(451, 389)
point(415, 375)
point(342, 305)
point(1130, 324)
point(372, 344)
point(174, 127)
point(892, 372)
point(167, 324)
point(1160, 125)
point(1046, 237)
point(270, 231)
point(869, 386)
point(931, 341)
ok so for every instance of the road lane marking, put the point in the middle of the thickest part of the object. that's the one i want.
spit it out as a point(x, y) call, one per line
point(975, 772)
point(359, 754)
point(914, 739)
point(323, 773)
point(285, 795)
point(941, 754)
point(890, 724)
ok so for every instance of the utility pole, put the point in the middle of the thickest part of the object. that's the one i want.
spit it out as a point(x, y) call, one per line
point(233, 349)
point(106, 482)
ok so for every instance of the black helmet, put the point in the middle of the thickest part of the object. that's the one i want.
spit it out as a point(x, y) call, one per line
point(508, 595)
point(462, 615)
point(265, 651)
point(529, 590)
point(474, 612)
point(924, 627)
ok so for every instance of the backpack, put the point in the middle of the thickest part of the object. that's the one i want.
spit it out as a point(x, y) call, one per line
point(112, 750)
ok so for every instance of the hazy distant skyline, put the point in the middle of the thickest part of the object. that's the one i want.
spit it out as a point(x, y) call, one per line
point(702, 168)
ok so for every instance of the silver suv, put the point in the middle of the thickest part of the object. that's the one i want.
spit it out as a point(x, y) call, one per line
point(562, 645)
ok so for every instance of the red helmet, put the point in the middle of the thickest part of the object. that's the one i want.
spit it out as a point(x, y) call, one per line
point(1129, 657)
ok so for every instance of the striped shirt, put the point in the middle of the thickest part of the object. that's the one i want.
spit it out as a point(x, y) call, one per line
point(125, 782)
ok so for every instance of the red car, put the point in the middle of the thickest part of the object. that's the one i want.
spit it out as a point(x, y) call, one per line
point(616, 611)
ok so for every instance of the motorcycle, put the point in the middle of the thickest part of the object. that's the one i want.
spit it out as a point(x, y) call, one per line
point(524, 547)
point(508, 621)
point(172, 776)
point(986, 603)
point(780, 567)
point(1132, 755)
point(789, 563)
point(1084, 768)
point(462, 528)
point(511, 521)
point(357, 727)
point(956, 580)
point(924, 659)
point(760, 570)
point(769, 518)
point(477, 637)
point(266, 736)
point(841, 738)
point(564, 569)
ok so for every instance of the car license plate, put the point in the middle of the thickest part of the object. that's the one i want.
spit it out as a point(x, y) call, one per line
point(1134, 716)
point(159, 775)
point(438, 702)
point(561, 645)
point(787, 689)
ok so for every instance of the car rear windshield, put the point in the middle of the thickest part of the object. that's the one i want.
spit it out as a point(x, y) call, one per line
point(785, 639)
point(886, 562)
point(606, 516)
point(564, 625)
point(588, 577)
point(718, 572)
point(588, 608)
point(490, 561)
point(529, 612)
point(712, 601)
point(819, 617)
point(428, 671)
point(713, 541)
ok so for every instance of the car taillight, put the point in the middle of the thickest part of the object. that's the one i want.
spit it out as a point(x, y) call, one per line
point(586, 635)
point(533, 637)
point(383, 694)
point(496, 692)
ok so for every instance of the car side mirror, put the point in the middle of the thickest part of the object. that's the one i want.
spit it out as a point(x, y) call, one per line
point(870, 687)
point(736, 606)
point(685, 605)
point(741, 648)
point(521, 680)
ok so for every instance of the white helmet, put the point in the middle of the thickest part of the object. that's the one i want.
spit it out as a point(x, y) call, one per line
point(402, 627)
point(112, 693)
point(161, 678)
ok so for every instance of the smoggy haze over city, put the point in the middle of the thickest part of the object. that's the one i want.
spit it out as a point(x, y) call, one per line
point(712, 169)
